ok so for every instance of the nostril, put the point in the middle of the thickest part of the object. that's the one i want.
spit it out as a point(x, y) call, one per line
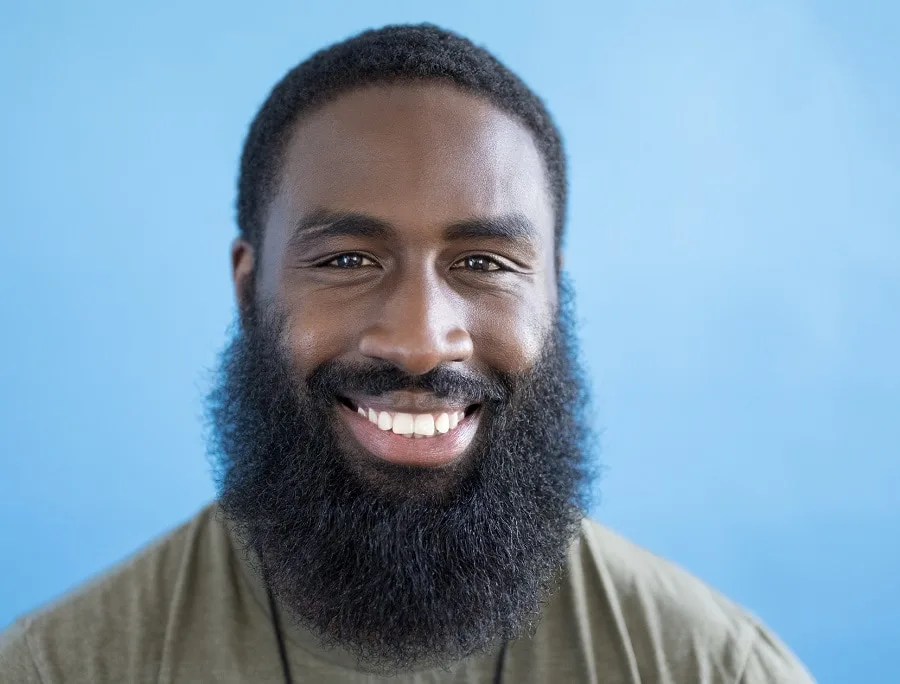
point(414, 344)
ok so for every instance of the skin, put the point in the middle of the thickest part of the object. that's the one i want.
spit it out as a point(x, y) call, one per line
point(408, 162)
point(392, 547)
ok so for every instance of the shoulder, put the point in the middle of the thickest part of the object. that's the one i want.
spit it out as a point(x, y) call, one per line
point(102, 629)
point(16, 660)
point(649, 589)
point(664, 624)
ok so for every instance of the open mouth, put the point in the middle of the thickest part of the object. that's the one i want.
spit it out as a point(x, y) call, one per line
point(422, 438)
point(409, 424)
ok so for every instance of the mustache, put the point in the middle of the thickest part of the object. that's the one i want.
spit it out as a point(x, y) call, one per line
point(335, 378)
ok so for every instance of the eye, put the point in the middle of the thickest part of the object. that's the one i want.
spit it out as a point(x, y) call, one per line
point(347, 261)
point(479, 262)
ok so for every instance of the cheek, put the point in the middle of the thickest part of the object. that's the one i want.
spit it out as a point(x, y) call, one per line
point(509, 334)
point(311, 337)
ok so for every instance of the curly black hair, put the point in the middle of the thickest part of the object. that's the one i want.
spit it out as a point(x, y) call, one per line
point(391, 54)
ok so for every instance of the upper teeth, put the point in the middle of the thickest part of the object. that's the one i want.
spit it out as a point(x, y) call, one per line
point(413, 424)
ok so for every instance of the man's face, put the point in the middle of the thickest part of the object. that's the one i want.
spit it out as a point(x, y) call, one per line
point(408, 273)
point(413, 226)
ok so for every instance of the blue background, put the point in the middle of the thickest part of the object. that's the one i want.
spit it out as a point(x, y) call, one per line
point(734, 236)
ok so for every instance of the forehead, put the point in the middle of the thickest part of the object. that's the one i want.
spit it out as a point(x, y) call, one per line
point(416, 155)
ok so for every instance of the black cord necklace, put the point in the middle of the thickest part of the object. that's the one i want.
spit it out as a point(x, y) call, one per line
point(498, 673)
point(282, 651)
point(276, 624)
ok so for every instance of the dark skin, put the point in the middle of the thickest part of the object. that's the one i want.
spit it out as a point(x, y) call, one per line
point(413, 224)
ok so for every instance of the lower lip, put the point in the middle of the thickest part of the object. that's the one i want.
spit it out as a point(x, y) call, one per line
point(439, 450)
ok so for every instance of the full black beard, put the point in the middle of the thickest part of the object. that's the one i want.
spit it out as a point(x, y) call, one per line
point(402, 577)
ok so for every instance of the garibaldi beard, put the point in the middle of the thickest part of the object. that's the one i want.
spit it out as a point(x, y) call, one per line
point(403, 567)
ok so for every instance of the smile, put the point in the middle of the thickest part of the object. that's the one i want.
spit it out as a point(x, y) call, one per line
point(413, 437)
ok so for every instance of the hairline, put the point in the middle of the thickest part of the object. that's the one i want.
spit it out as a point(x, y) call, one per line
point(282, 142)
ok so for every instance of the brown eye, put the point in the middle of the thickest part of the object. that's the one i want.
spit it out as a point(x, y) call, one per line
point(479, 262)
point(349, 260)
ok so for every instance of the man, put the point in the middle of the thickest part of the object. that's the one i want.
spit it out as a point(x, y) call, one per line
point(399, 424)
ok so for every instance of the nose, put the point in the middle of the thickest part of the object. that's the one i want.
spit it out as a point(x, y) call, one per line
point(417, 328)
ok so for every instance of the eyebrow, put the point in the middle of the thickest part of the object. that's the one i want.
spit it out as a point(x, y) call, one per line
point(509, 227)
point(325, 224)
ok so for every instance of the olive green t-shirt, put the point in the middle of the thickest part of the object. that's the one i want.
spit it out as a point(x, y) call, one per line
point(189, 608)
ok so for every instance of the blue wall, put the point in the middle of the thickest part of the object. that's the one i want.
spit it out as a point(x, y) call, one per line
point(734, 235)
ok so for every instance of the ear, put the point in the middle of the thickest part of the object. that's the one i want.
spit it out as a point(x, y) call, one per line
point(243, 263)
